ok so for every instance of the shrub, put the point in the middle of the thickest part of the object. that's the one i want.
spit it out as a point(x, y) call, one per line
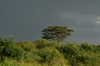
point(88, 47)
point(48, 54)
point(40, 43)
point(26, 45)
point(8, 49)
point(68, 50)
point(31, 57)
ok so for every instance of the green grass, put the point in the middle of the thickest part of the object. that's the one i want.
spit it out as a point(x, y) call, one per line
point(48, 53)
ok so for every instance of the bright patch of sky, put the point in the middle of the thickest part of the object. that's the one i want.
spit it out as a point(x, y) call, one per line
point(98, 20)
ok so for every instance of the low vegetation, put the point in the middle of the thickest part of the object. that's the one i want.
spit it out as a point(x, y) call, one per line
point(47, 53)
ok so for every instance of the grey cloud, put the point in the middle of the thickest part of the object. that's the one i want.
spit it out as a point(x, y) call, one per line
point(70, 22)
point(89, 24)
point(79, 40)
point(82, 6)
point(86, 33)
point(87, 28)
point(26, 19)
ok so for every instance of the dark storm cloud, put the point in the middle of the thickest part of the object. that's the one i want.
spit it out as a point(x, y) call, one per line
point(82, 6)
point(87, 28)
point(69, 22)
point(89, 24)
point(25, 19)
point(86, 32)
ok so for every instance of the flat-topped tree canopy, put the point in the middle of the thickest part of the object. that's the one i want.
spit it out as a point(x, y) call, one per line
point(56, 33)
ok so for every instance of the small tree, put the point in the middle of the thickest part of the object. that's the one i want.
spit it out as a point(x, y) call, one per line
point(56, 33)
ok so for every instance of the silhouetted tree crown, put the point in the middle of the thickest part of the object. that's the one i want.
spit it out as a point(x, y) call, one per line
point(56, 33)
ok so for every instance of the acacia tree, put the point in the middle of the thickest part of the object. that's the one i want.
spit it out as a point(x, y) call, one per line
point(56, 33)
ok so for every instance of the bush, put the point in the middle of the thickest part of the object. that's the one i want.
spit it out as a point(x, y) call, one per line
point(8, 49)
point(31, 57)
point(40, 43)
point(88, 47)
point(48, 54)
point(26, 45)
point(68, 50)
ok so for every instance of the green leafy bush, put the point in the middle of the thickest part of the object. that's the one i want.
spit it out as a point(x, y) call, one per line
point(68, 50)
point(31, 57)
point(40, 43)
point(48, 54)
point(8, 49)
point(89, 47)
point(26, 45)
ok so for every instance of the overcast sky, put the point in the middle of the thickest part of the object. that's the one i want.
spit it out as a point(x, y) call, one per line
point(25, 19)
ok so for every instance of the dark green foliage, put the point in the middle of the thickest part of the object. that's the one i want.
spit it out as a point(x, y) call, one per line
point(40, 43)
point(68, 50)
point(89, 47)
point(26, 45)
point(56, 33)
point(31, 57)
point(19, 53)
point(82, 58)
point(48, 54)
point(8, 49)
